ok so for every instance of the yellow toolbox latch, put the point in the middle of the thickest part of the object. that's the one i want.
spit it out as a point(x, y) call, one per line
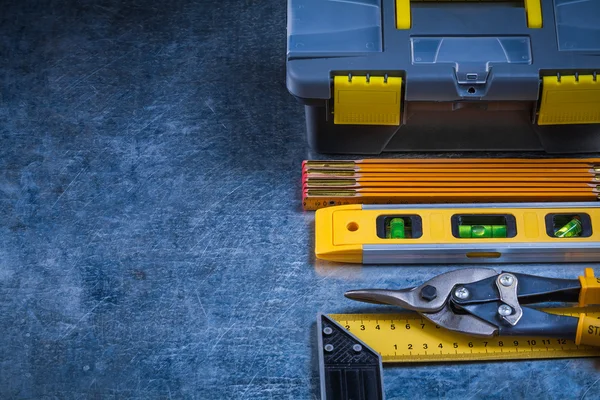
point(367, 100)
point(570, 99)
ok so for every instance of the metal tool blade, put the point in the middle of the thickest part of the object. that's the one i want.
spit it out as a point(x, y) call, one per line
point(412, 299)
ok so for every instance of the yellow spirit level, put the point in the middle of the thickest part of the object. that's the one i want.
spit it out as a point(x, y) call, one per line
point(459, 233)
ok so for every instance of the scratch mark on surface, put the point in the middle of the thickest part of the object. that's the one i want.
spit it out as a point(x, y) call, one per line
point(588, 389)
point(284, 313)
point(228, 194)
point(84, 316)
point(107, 9)
point(567, 364)
point(209, 107)
point(196, 245)
point(31, 313)
point(221, 337)
point(96, 71)
point(213, 111)
point(474, 394)
point(145, 182)
point(55, 64)
point(151, 121)
point(68, 186)
point(201, 306)
point(250, 383)
point(502, 389)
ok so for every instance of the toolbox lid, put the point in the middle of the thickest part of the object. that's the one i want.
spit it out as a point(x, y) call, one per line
point(449, 50)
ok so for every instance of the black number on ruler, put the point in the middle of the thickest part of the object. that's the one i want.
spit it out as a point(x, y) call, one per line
point(440, 346)
point(348, 327)
point(407, 326)
point(484, 344)
point(362, 327)
point(455, 345)
point(546, 341)
point(562, 341)
point(516, 343)
point(531, 342)
point(500, 343)
point(425, 346)
point(396, 347)
point(392, 326)
point(422, 326)
point(410, 346)
point(377, 327)
point(470, 344)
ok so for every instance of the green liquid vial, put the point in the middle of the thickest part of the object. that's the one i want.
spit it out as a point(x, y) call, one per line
point(482, 231)
point(571, 229)
point(397, 230)
point(499, 231)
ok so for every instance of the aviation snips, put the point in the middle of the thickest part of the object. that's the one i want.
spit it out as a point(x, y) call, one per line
point(482, 302)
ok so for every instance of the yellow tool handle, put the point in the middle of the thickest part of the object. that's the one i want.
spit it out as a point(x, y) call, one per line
point(588, 331)
point(590, 289)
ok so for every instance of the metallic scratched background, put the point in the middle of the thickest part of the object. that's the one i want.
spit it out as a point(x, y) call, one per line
point(152, 242)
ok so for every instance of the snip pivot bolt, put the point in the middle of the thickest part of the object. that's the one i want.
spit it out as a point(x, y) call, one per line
point(504, 310)
point(507, 280)
point(462, 293)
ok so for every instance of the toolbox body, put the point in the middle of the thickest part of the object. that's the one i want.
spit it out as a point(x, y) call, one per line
point(396, 75)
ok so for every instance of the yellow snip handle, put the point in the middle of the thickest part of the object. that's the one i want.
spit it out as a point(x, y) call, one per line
point(588, 331)
point(590, 289)
point(588, 328)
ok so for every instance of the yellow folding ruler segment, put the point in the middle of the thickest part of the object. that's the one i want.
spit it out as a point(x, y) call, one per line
point(407, 337)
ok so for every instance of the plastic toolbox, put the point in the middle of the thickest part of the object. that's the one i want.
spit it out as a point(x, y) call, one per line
point(401, 75)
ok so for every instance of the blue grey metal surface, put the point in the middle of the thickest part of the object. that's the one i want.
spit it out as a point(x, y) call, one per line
point(152, 243)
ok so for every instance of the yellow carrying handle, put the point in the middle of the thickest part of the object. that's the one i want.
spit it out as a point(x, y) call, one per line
point(588, 331)
point(590, 288)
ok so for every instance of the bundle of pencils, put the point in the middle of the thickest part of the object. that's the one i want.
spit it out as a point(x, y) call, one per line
point(456, 180)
